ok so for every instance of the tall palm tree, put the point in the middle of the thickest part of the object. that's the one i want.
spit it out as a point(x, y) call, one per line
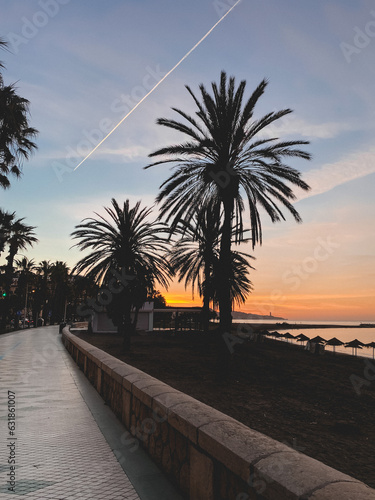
point(226, 159)
point(127, 245)
point(60, 288)
point(44, 284)
point(192, 257)
point(195, 258)
point(20, 237)
point(26, 284)
point(16, 135)
point(6, 220)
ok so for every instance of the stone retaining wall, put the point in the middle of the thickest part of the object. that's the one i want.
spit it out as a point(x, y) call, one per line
point(209, 455)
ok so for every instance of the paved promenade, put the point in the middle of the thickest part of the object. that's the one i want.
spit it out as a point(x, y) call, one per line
point(63, 442)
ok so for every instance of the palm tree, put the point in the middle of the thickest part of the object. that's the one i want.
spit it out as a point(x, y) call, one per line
point(26, 266)
point(26, 284)
point(127, 246)
point(44, 284)
point(16, 135)
point(240, 284)
point(192, 257)
point(226, 159)
point(83, 289)
point(195, 257)
point(60, 287)
point(20, 237)
point(6, 220)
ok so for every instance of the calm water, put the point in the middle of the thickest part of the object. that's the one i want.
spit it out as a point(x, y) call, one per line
point(365, 335)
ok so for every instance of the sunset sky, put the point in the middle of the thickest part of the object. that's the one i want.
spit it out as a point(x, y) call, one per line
point(84, 64)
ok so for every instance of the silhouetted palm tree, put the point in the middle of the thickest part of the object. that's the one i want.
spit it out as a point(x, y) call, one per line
point(16, 135)
point(25, 265)
point(127, 251)
point(60, 286)
point(226, 159)
point(240, 284)
point(26, 284)
point(6, 220)
point(44, 288)
point(195, 258)
point(82, 289)
point(20, 237)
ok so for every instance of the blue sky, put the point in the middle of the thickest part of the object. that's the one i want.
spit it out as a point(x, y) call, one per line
point(83, 64)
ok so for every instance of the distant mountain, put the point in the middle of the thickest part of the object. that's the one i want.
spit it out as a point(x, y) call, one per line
point(243, 315)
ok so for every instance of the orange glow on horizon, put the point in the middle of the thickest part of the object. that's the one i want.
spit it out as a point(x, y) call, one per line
point(330, 307)
point(183, 300)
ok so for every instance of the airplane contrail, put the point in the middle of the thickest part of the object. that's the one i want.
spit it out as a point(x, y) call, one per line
point(157, 85)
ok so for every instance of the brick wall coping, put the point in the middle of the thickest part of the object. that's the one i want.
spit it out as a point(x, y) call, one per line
point(286, 473)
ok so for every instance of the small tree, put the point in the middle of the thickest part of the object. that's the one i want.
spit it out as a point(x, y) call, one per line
point(195, 258)
point(128, 257)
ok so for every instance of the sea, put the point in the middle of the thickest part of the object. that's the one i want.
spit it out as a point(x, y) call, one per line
point(365, 335)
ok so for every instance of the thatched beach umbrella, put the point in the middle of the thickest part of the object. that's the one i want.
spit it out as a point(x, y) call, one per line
point(334, 342)
point(318, 340)
point(276, 334)
point(371, 344)
point(355, 344)
point(302, 338)
point(288, 335)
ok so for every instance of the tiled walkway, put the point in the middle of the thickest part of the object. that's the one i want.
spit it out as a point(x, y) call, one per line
point(59, 451)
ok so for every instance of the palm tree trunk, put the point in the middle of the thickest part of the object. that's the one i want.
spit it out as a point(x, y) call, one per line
point(225, 305)
point(125, 328)
point(206, 294)
point(9, 269)
point(206, 312)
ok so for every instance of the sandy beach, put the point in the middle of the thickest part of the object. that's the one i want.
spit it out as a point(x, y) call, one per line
point(321, 405)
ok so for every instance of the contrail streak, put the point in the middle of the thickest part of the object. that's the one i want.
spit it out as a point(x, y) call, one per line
point(157, 85)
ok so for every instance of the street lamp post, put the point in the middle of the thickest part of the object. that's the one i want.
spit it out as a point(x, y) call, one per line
point(24, 315)
point(27, 292)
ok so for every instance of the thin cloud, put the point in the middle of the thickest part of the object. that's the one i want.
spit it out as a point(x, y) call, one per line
point(331, 175)
point(292, 125)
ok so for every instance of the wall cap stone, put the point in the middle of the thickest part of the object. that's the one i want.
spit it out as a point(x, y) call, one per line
point(296, 474)
point(347, 490)
point(188, 416)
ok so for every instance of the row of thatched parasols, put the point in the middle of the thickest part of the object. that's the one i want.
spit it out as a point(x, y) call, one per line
point(354, 344)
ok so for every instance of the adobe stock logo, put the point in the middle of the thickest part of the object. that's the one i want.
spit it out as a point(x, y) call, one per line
point(361, 40)
point(116, 285)
point(298, 273)
point(31, 27)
